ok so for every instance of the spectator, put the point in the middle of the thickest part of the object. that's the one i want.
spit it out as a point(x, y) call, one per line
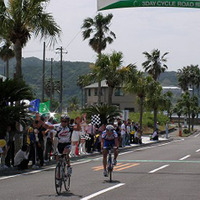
point(10, 145)
point(83, 135)
point(128, 133)
point(21, 158)
point(132, 133)
point(166, 130)
point(49, 141)
point(155, 135)
point(91, 130)
point(3, 150)
point(123, 133)
point(76, 135)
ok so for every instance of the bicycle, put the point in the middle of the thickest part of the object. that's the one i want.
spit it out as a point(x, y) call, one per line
point(110, 163)
point(60, 174)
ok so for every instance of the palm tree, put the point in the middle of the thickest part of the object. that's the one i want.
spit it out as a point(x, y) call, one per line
point(183, 78)
point(6, 53)
point(178, 109)
point(155, 63)
point(98, 31)
point(107, 113)
point(155, 99)
point(20, 20)
point(111, 67)
point(13, 90)
point(137, 83)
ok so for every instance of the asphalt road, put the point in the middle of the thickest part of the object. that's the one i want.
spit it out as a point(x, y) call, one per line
point(165, 171)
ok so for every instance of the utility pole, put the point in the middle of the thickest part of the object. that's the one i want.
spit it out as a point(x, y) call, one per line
point(61, 78)
point(43, 75)
point(51, 95)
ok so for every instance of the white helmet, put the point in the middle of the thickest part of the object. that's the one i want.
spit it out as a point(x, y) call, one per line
point(109, 127)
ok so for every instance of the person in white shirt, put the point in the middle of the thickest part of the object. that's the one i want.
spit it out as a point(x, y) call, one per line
point(123, 133)
point(21, 158)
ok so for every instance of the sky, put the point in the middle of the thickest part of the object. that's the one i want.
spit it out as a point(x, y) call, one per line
point(173, 30)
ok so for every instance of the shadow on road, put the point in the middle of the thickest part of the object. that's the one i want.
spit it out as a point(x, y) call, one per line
point(63, 194)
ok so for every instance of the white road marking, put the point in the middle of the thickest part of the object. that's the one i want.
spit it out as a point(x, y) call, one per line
point(125, 153)
point(38, 171)
point(103, 191)
point(155, 170)
point(197, 135)
point(185, 157)
point(197, 150)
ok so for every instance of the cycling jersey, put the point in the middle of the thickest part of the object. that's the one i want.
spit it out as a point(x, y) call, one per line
point(109, 140)
point(109, 137)
point(64, 134)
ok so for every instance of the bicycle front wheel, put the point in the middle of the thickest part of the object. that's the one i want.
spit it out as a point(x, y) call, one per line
point(58, 179)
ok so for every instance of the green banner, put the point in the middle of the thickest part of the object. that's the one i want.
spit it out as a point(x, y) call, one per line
point(44, 107)
point(111, 4)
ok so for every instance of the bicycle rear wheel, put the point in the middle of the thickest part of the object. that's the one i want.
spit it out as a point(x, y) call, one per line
point(58, 179)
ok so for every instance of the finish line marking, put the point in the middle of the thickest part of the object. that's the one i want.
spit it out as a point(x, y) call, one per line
point(102, 191)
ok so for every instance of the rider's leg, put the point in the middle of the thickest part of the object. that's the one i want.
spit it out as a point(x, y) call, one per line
point(105, 153)
point(115, 153)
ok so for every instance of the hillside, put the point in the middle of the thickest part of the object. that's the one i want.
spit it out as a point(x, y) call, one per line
point(32, 71)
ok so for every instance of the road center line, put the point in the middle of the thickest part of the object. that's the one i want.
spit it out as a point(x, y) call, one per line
point(197, 150)
point(155, 170)
point(103, 191)
point(185, 157)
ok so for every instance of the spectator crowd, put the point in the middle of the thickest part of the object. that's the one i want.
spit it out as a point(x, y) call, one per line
point(40, 140)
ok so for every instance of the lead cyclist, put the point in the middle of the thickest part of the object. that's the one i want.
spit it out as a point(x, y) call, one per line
point(109, 138)
point(64, 140)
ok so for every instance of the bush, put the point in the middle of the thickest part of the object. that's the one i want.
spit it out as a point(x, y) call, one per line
point(186, 131)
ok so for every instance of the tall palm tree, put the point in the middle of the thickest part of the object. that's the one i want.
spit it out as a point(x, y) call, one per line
point(98, 31)
point(21, 19)
point(155, 63)
point(111, 67)
point(6, 53)
point(139, 86)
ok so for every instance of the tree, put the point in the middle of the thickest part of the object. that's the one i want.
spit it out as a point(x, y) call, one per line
point(107, 113)
point(168, 103)
point(155, 63)
point(20, 19)
point(82, 81)
point(73, 103)
point(6, 53)
point(110, 67)
point(13, 91)
point(178, 109)
point(137, 83)
point(155, 99)
point(98, 31)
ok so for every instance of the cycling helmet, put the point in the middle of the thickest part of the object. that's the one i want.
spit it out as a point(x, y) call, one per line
point(109, 127)
point(65, 117)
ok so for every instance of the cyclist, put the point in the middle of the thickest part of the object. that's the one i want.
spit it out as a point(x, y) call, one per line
point(109, 138)
point(64, 139)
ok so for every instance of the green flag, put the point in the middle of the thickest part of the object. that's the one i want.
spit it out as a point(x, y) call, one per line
point(44, 107)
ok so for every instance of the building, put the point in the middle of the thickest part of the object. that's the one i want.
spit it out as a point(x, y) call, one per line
point(119, 98)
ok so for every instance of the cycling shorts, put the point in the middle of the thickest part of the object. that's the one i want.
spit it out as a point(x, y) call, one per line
point(108, 143)
point(62, 146)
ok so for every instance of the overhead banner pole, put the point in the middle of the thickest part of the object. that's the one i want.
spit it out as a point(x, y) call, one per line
point(111, 4)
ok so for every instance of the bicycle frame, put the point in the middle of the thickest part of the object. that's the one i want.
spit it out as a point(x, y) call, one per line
point(61, 176)
point(110, 164)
